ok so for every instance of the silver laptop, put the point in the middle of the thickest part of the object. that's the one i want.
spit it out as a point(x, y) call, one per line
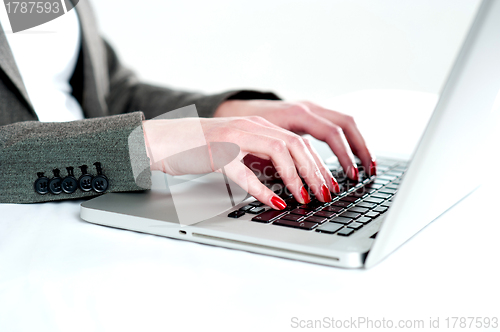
point(372, 217)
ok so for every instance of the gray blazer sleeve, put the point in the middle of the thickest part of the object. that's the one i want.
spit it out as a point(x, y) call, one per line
point(31, 147)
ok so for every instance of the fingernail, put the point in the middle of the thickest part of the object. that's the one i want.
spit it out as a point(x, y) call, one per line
point(355, 172)
point(373, 168)
point(305, 195)
point(278, 203)
point(326, 193)
point(336, 188)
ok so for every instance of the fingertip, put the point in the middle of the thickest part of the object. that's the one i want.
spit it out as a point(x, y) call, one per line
point(305, 195)
point(278, 203)
point(373, 167)
point(327, 197)
point(335, 185)
point(354, 172)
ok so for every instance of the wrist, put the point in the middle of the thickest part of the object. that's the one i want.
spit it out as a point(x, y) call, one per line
point(228, 108)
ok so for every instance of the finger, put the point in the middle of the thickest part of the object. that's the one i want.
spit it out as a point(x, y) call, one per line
point(353, 136)
point(247, 180)
point(357, 142)
point(333, 184)
point(304, 161)
point(276, 149)
point(324, 130)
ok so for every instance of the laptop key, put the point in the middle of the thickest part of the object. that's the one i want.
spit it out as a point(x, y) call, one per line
point(291, 203)
point(325, 214)
point(358, 209)
point(351, 215)
point(246, 208)
point(355, 225)
point(314, 218)
point(386, 203)
point(342, 220)
point(380, 209)
point(372, 214)
point(236, 214)
point(366, 205)
point(306, 225)
point(256, 203)
point(268, 216)
point(387, 191)
point(381, 181)
point(342, 204)
point(373, 200)
point(359, 193)
point(311, 206)
point(380, 195)
point(363, 220)
point(350, 198)
point(370, 190)
point(329, 228)
point(292, 217)
point(345, 231)
point(301, 212)
point(394, 173)
point(330, 208)
point(256, 210)
point(387, 176)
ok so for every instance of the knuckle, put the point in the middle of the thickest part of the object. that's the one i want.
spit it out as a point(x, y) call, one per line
point(298, 109)
point(336, 131)
point(240, 121)
point(295, 141)
point(278, 146)
point(256, 118)
point(349, 120)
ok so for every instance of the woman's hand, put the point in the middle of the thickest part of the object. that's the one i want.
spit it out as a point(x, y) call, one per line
point(290, 154)
point(336, 129)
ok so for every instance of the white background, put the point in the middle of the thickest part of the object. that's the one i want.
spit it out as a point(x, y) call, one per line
point(311, 49)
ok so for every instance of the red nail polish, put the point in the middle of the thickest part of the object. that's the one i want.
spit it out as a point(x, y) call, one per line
point(305, 195)
point(278, 202)
point(326, 193)
point(373, 168)
point(355, 173)
point(336, 187)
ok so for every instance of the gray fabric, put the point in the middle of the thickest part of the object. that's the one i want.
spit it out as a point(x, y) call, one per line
point(30, 147)
point(111, 95)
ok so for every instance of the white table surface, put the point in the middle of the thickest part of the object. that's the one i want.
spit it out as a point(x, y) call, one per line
point(59, 273)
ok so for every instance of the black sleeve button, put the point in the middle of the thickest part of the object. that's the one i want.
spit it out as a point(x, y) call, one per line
point(100, 182)
point(69, 183)
point(55, 183)
point(42, 184)
point(85, 181)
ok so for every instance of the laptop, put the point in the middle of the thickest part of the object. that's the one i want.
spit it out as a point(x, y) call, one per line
point(370, 218)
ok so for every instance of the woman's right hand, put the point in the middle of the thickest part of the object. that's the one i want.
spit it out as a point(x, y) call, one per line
point(290, 154)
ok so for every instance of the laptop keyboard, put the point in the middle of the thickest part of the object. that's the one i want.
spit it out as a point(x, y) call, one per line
point(358, 203)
